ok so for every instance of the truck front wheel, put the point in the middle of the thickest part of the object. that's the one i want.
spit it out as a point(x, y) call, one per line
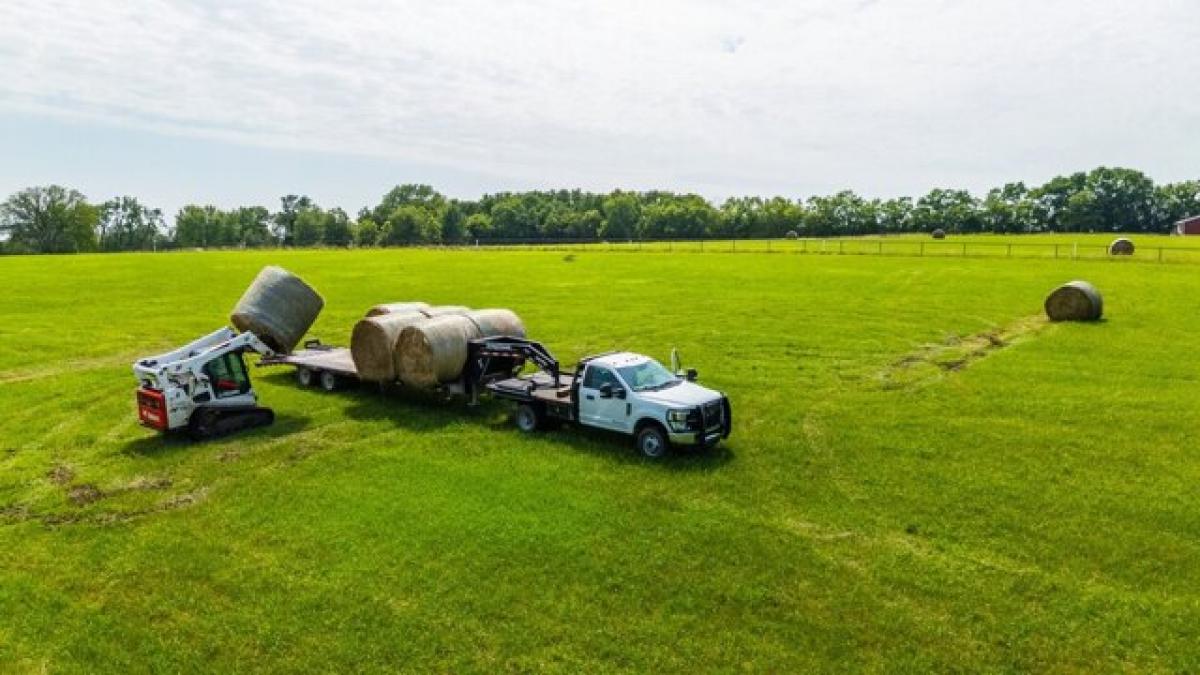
point(652, 442)
point(529, 418)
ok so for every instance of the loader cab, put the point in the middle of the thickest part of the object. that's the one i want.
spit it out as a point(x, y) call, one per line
point(227, 377)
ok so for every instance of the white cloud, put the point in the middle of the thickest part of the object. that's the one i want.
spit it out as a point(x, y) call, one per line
point(719, 97)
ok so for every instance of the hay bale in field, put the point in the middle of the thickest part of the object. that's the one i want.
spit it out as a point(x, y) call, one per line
point(397, 308)
point(1121, 246)
point(791, 234)
point(939, 234)
point(435, 350)
point(1075, 301)
point(278, 307)
point(445, 310)
point(373, 344)
point(493, 322)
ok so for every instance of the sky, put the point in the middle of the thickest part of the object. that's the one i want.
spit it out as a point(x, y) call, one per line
point(236, 103)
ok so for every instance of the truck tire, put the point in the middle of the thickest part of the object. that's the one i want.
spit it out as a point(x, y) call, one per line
point(652, 442)
point(329, 380)
point(528, 417)
point(304, 376)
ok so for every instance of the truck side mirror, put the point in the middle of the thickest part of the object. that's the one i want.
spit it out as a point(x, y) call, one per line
point(692, 375)
point(606, 390)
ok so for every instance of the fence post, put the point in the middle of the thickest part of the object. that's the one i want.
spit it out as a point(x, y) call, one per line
point(1160, 252)
point(1010, 250)
point(702, 246)
point(921, 253)
point(768, 246)
point(733, 245)
point(669, 248)
point(1075, 251)
point(841, 246)
point(964, 254)
point(1056, 251)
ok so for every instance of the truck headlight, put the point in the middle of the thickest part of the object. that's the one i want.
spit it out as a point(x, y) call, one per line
point(682, 420)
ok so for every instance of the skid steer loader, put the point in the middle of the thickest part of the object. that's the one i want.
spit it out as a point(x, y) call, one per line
point(202, 388)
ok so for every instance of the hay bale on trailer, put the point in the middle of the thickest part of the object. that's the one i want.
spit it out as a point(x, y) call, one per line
point(373, 344)
point(938, 234)
point(1075, 301)
point(1121, 246)
point(278, 307)
point(492, 322)
point(397, 308)
point(445, 310)
point(435, 350)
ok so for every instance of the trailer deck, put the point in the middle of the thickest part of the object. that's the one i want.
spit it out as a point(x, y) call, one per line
point(537, 387)
point(317, 357)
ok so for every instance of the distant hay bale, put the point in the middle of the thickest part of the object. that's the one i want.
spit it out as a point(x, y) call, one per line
point(1075, 301)
point(493, 322)
point(939, 234)
point(278, 307)
point(373, 344)
point(434, 351)
point(445, 310)
point(397, 308)
point(1121, 246)
point(792, 234)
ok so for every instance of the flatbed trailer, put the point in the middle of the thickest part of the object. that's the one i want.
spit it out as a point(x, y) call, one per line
point(489, 360)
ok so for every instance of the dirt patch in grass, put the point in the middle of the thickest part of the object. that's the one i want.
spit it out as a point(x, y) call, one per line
point(84, 494)
point(956, 353)
point(61, 474)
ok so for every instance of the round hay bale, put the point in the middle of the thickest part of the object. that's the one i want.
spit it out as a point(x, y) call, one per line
point(278, 307)
point(434, 350)
point(397, 308)
point(445, 310)
point(494, 322)
point(373, 344)
point(1075, 301)
point(1121, 246)
point(939, 234)
point(791, 234)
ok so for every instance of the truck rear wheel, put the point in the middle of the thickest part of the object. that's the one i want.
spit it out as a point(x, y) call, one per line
point(652, 442)
point(329, 380)
point(528, 418)
point(304, 376)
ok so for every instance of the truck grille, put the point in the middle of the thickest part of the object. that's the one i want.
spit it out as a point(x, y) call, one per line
point(713, 412)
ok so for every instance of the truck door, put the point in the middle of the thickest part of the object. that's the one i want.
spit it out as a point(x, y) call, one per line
point(596, 410)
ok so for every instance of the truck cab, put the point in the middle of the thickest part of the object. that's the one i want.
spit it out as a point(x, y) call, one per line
point(634, 394)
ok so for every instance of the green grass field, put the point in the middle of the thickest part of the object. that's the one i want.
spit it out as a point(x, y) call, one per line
point(923, 476)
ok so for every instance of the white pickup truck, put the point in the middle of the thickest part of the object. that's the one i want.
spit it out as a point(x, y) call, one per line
point(627, 393)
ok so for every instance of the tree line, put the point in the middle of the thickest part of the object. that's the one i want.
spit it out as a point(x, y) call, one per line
point(55, 219)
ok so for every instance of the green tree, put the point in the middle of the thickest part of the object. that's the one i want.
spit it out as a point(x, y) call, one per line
point(453, 223)
point(622, 213)
point(197, 226)
point(308, 227)
point(366, 232)
point(409, 225)
point(338, 230)
point(51, 219)
point(124, 224)
point(285, 221)
point(479, 226)
point(949, 210)
point(409, 194)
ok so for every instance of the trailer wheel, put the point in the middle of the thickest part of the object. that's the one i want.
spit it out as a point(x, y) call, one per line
point(304, 376)
point(652, 442)
point(528, 418)
point(329, 380)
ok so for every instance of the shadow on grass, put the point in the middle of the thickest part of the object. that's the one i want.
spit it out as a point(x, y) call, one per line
point(159, 444)
point(422, 412)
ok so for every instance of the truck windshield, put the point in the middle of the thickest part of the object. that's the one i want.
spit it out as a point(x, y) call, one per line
point(648, 375)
